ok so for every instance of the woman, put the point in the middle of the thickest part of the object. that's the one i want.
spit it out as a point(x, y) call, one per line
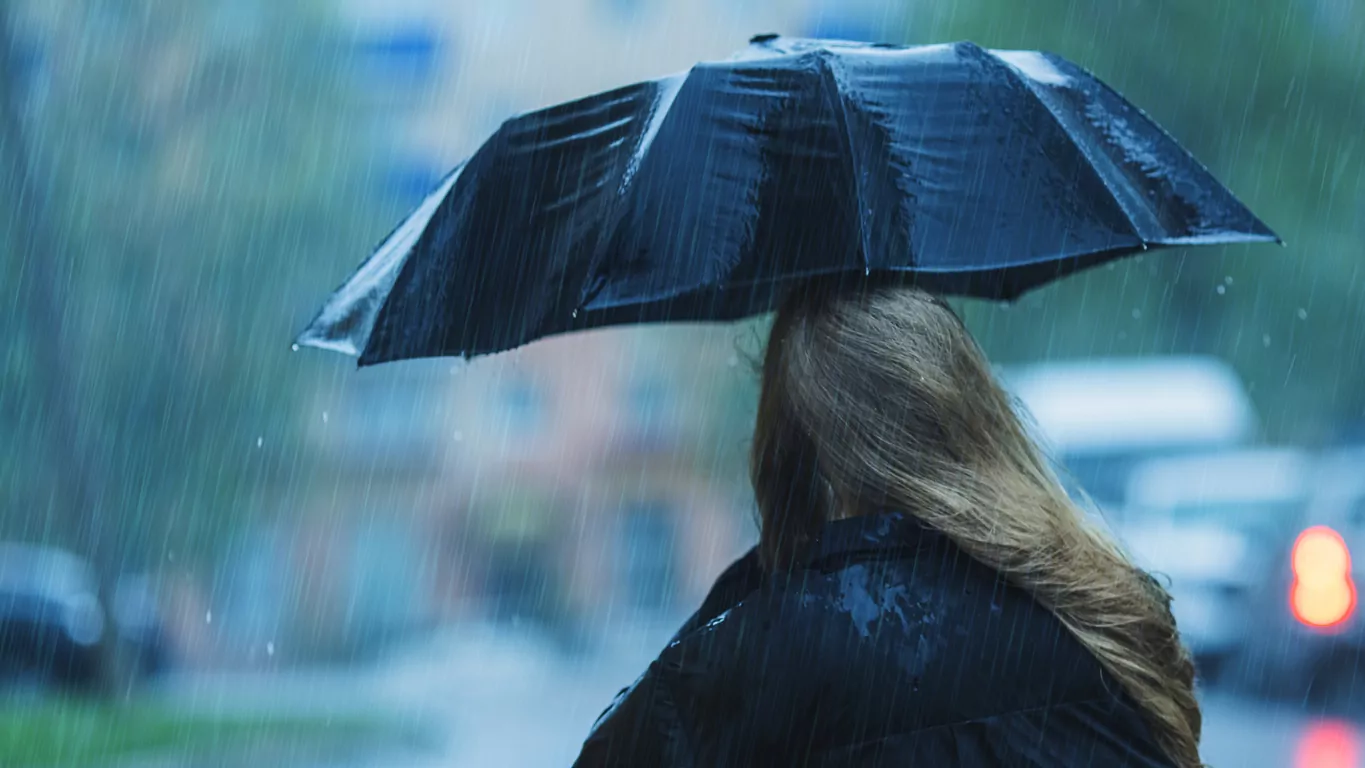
point(923, 593)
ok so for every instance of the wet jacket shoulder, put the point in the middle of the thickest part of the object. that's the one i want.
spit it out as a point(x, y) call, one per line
point(889, 647)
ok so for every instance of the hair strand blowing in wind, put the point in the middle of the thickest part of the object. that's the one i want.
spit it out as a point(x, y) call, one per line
point(882, 399)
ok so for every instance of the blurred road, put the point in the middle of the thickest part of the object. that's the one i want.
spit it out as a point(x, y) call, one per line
point(1254, 734)
point(485, 697)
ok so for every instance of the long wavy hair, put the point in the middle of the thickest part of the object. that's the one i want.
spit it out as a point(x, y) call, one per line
point(881, 398)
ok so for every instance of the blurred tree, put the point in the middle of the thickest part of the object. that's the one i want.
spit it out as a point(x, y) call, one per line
point(200, 182)
point(28, 229)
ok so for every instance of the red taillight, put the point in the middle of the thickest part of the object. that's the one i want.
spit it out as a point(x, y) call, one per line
point(1328, 745)
point(1323, 594)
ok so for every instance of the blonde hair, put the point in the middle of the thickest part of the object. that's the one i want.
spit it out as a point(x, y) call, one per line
point(881, 398)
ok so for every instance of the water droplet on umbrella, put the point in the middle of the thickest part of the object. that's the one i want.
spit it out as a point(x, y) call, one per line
point(1222, 290)
point(1303, 313)
point(294, 347)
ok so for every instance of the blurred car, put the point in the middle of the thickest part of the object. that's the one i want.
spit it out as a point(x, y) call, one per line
point(53, 624)
point(1214, 525)
point(1099, 418)
point(137, 615)
point(1309, 636)
point(51, 620)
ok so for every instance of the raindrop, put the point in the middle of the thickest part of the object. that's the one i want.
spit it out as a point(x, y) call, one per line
point(733, 361)
point(1303, 313)
point(458, 436)
point(294, 347)
point(1227, 280)
point(260, 441)
point(270, 649)
point(575, 313)
point(867, 271)
point(1265, 340)
point(324, 417)
point(208, 617)
point(1137, 314)
point(1222, 290)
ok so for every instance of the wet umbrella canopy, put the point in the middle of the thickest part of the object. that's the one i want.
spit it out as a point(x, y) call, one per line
point(704, 195)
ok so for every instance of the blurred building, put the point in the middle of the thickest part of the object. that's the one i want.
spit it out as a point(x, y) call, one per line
point(595, 454)
point(576, 479)
point(448, 73)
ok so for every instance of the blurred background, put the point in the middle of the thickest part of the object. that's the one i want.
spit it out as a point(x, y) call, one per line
point(221, 551)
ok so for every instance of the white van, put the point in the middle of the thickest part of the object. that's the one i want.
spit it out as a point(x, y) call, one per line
point(1099, 417)
point(1214, 526)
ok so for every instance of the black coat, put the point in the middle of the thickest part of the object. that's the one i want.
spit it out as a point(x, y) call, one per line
point(890, 647)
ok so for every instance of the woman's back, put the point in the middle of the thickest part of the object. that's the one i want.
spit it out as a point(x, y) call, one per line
point(997, 626)
point(886, 646)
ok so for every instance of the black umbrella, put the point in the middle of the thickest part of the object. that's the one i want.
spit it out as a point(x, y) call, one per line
point(704, 195)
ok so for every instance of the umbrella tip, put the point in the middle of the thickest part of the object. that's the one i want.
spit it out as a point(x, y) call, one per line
point(766, 37)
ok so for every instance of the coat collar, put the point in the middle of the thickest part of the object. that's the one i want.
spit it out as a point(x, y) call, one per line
point(838, 540)
point(884, 531)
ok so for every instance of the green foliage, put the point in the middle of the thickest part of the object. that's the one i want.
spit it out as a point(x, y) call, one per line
point(73, 733)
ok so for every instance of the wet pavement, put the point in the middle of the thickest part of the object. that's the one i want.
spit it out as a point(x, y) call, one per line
point(488, 697)
point(1241, 733)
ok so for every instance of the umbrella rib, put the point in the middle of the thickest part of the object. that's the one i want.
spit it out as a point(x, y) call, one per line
point(662, 107)
point(841, 113)
point(1090, 159)
point(659, 112)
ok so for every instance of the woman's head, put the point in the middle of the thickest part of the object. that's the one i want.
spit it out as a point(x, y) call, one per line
point(882, 399)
